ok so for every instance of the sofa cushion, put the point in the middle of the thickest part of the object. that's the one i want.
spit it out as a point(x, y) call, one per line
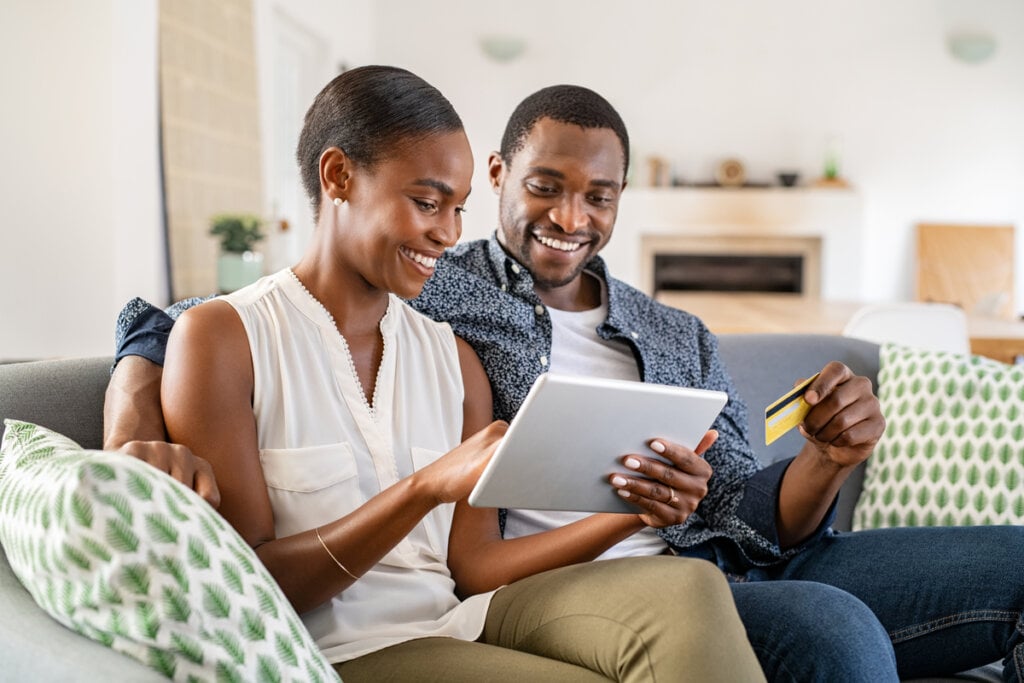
point(953, 448)
point(124, 554)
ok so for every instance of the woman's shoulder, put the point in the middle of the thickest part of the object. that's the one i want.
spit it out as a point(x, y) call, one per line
point(257, 290)
point(210, 321)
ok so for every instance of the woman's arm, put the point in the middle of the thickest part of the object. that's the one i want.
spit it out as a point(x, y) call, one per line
point(479, 559)
point(207, 405)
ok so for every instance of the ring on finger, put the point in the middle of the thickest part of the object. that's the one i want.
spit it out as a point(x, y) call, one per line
point(673, 498)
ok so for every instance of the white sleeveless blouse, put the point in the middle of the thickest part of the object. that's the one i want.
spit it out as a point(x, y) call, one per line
point(325, 452)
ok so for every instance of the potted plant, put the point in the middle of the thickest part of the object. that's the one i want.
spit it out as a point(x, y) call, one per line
point(238, 264)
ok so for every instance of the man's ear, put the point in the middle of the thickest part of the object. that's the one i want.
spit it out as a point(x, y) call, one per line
point(495, 171)
point(335, 174)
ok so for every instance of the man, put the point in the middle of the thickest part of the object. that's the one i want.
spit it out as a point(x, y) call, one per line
point(817, 605)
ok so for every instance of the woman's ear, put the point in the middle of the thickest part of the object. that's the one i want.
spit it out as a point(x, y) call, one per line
point(335, 168)
point(495, 171)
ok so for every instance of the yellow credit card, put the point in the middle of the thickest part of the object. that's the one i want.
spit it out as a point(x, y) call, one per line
point(786, 412)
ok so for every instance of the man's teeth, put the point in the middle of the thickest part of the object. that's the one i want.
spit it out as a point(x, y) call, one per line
point(558, 244)
point(420, 258)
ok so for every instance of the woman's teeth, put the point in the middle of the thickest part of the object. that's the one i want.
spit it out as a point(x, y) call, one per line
point(420, 258)
point(558, 244)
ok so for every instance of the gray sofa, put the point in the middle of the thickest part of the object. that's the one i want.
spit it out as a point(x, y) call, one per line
point(67, 396)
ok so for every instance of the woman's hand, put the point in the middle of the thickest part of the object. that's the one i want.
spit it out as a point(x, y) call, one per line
point(668, 492)
point(452, 476)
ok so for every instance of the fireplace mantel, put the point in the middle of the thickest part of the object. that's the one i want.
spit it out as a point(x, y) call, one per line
point(761, 215)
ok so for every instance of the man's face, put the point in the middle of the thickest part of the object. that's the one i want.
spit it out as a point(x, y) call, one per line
point(558, 198)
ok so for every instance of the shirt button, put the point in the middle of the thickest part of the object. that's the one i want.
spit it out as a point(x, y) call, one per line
point(538, 309)
point(543, 360)
point(515, 268)
point(634, 335)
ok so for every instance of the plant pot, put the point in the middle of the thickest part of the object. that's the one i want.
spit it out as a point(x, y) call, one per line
point(235, 271)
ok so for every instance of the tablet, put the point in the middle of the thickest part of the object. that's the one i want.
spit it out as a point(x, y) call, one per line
point(571, 433)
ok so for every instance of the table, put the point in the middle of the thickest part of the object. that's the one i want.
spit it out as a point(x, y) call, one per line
point(737, 313)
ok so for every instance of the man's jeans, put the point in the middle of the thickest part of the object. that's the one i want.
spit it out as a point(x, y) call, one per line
point(882, 605)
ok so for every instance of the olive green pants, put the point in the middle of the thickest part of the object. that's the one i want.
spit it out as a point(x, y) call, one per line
point(645, 619)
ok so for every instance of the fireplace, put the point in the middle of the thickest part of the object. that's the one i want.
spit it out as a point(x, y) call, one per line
point(806, 241)
point(789, 265)
point(729, 273)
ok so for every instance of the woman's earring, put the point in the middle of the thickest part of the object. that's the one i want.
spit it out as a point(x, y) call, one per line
point(338, 201)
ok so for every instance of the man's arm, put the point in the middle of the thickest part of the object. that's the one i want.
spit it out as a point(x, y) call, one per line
point(133, 420)
point(131, 406)
point(842, 428)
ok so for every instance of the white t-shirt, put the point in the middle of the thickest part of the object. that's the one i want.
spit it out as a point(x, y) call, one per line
point(325, 451)
point(577, 349)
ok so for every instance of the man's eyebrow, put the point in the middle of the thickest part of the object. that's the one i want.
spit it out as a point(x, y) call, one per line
point(600, 182)
point(544, 170)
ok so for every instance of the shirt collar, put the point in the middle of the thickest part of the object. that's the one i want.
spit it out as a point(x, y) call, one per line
point(514, 277)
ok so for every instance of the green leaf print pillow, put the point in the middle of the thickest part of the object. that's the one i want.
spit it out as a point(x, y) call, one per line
point(125, 555)
point(953, 449)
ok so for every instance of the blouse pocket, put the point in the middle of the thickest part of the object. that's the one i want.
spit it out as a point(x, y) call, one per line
point(437, 524)
point(310, 486)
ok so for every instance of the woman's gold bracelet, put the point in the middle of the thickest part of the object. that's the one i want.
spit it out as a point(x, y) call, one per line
point(320, 538)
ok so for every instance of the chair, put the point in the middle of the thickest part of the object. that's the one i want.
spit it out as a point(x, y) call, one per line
point(931, 326)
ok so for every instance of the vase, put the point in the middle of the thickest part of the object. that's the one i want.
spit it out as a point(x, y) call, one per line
point(235, 270)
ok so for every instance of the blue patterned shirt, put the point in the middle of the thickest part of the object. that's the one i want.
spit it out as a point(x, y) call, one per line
point(488, 299)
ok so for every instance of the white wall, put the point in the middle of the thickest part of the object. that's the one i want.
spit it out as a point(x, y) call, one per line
point(60, 173)
point(923, 137)
point(139, 253)
point(300, 46)
point(79, 177)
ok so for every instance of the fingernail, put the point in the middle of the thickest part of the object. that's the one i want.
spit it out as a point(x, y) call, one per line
point(657, 447)
point(619, 481)
point(624, 493)
point(632, 463)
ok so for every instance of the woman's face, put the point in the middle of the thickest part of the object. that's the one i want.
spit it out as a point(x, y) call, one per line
point(406, 210)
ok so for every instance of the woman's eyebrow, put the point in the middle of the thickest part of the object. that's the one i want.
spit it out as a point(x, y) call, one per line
point(442, 187)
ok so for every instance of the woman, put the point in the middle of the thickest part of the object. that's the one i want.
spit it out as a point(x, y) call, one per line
point(332, 414)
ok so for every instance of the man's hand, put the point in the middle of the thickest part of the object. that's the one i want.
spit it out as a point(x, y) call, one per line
point(845, 421)
point(842, 428)
point(668, 492)
point(179, 462)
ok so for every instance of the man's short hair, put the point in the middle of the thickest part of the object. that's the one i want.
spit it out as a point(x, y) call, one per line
point(566, 104)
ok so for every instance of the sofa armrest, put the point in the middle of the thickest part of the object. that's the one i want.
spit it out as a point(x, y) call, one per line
point(764, 366)
point(36, 647)
point(64, 395)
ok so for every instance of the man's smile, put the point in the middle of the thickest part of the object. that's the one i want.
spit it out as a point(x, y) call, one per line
point(560, 245)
